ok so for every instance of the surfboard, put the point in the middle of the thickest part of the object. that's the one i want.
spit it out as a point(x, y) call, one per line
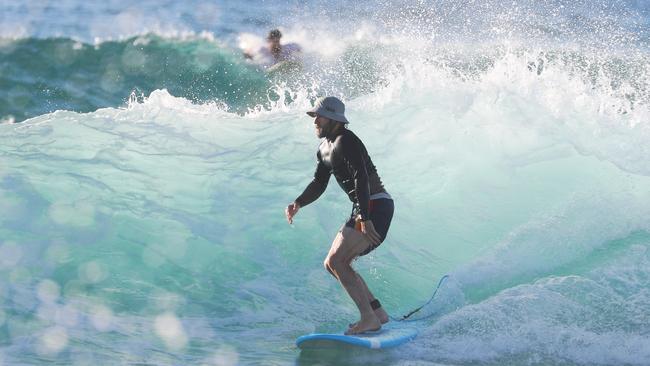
point(392, 334)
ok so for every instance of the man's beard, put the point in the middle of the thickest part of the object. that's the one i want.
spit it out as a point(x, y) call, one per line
point(326, 130)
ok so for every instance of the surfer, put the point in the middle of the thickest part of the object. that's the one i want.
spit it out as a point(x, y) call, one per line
point(342, 154)
point(275, 52)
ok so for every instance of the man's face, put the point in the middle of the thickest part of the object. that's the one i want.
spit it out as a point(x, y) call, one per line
point(323, 126)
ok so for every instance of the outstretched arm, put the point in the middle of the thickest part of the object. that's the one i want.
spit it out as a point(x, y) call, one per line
point(314, 189)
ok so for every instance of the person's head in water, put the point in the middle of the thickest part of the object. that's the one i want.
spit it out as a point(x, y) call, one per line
point(273, 41)
point(329, 116)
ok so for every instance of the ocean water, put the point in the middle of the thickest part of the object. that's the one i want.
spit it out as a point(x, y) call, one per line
point(145, 167)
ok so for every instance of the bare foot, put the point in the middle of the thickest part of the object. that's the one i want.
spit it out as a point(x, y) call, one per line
point(365, 325)
point(382, 315)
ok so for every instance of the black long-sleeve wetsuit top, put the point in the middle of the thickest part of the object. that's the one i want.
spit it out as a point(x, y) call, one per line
point(345, 156)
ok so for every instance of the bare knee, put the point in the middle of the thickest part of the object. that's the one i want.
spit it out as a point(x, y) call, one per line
point(328, 267)
point(337, 263)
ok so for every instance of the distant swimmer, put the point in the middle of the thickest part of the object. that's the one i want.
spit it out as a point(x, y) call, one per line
point(275, 53)
point(342, 154)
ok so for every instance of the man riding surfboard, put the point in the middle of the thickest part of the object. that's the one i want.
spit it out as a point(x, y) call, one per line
point(342, 154)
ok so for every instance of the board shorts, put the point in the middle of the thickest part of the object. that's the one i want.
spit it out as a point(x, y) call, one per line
point(381, 214)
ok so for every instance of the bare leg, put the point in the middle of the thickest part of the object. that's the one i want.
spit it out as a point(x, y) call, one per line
point(335, 244)
point(348, 244)
point(381, 313)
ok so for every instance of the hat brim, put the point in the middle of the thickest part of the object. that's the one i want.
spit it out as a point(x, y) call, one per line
point(330, 115)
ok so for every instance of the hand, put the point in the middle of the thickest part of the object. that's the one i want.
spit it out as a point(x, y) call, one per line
point(368, 228)
point(291, 211)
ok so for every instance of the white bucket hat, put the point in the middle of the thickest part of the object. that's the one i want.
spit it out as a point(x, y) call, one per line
point(330, 107)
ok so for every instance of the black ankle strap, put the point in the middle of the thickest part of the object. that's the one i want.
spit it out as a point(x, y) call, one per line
point(375, 304)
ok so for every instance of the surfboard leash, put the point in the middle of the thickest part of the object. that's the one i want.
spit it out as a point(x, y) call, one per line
point(404, 317)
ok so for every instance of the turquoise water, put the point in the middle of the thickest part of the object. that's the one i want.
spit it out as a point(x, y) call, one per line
point(149, 228)
point(42, 75)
